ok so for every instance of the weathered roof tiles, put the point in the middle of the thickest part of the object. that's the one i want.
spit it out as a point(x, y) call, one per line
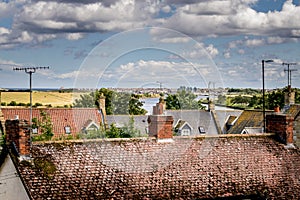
point(188, 168)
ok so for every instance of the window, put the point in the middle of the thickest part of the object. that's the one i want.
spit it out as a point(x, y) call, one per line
point(185, 132)
point(201, 129)
point(67, 129)
point(35, 130)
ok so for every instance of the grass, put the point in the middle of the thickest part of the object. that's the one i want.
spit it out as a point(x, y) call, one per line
point(45, 98)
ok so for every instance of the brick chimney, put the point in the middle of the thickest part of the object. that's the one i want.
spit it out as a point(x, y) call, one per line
point(289, 97)
point(160, 126)
point(160, 107)
point(18, 137)
point(102, 109)
point(282, 126)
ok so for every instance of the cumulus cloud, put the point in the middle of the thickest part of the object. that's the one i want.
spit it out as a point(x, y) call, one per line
point(38, 21)
point(143, 71)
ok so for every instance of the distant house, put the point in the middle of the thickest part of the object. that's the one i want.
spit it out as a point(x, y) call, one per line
point(65, 121)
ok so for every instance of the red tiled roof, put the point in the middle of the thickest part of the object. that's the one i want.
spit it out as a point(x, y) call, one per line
point(188, 168)
point(60, 117)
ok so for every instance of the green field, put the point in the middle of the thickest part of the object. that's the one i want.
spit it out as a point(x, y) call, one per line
point(56, 99)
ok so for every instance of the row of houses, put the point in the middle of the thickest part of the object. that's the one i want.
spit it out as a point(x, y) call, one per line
point(71, 121)
point(201, 162)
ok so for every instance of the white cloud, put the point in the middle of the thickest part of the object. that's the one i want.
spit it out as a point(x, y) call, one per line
point(254, 42)
point(74, 36)
point(275, 40)
point(50, 19)
point(151, 71)
point(211, 50)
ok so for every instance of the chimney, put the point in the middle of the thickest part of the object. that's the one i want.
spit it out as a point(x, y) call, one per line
point(289, 97)
point(102, 109)
point(160, 126)
point(277, 109)
point(211, 105)
point(18, 137)
point(160, 107)
point(282, 126)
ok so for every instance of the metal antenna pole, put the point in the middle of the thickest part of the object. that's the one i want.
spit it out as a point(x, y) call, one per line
point(263, 90)
point(30, 71)
point(289, 73)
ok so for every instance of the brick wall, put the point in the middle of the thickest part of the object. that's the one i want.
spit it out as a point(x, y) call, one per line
point(282, 126)
point(18, 133)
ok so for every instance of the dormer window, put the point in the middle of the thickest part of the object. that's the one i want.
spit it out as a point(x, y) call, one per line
point(201, 130)
point(67, 129)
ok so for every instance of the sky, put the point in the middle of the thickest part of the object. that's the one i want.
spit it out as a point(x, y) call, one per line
point(151, 43)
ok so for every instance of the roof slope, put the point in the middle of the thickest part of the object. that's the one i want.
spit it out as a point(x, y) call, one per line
point(144, 169)
point(294, 110)
point(195, 118)
point(60, 117)
point(248, 118)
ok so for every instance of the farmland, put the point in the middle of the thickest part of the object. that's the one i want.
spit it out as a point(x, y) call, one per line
point(53, 98)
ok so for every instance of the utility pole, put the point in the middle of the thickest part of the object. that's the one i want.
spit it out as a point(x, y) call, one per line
point(30, 71)
point(289, 71)
point(160, 84)
point(263, 90)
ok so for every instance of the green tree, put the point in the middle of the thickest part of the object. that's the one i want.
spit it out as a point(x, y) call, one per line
point(113, 132)
point(135, 106)
point(12, 103)
point(120, 103)
point(129, 131)
point(172, 102)
point(274, 99)
point(86, 100)
point(255, 102)
point(108, 100)
point(182, 100)
point(45, 126)
point(240, 100)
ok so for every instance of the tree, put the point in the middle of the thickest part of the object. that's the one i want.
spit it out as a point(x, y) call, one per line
point(12, 103)
point(108, 99)
point(120, 103)
point(172, 102)
point(113, 132)
point(115, 103)
point(129, 131)
point(125, 103)
point(240, 100)
point(85, 101)
point(274, 99)
point(45, 126)
point(182, 100)
point(135, 106)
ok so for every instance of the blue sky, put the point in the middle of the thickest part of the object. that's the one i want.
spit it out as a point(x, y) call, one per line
point(128, 43)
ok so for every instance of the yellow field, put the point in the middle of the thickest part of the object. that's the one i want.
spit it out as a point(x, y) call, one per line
point(45, 98)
